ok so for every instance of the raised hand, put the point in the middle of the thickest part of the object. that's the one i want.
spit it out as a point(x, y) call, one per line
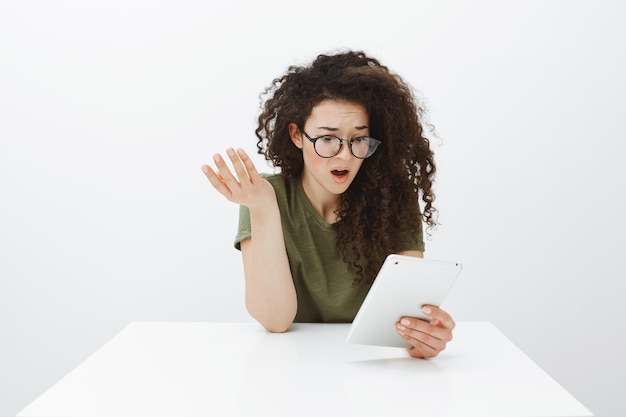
point(245, 186)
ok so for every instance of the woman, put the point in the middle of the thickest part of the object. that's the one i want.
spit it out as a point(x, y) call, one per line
point(348, 139)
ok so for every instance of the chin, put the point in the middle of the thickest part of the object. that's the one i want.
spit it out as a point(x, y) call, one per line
point(339, 189)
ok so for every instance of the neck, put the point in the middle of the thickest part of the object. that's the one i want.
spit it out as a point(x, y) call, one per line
point(324, 203)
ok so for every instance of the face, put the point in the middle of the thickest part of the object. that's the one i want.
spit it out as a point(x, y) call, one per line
point(327, 178)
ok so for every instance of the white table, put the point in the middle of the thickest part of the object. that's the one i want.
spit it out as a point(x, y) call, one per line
point(239, 369)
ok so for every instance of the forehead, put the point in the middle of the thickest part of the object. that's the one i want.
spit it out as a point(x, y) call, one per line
point(334, 112)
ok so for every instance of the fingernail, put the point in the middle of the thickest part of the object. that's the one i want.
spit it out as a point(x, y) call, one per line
point(217, 158)
point(401, 327)
point(205, 169)
point(230, 152)
point(406, 322)
point(426, 310)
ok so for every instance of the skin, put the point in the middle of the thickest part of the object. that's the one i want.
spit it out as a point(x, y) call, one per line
point(270, 292)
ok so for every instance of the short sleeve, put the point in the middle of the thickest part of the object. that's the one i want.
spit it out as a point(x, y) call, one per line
point(411, 241)
point(412, 237)
point(244, 230)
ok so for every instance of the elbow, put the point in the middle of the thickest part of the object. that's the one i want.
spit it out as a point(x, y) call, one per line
point(277, 328)
point(274, 322)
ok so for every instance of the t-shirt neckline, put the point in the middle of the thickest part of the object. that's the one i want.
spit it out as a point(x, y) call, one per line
point(308, 206)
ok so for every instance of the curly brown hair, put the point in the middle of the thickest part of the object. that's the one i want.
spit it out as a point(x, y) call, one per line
point(389, 183)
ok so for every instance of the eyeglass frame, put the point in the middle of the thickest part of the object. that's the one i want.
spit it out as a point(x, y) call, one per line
point(341, 140)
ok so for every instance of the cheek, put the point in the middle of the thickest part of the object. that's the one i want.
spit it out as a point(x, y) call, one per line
point(311, 159)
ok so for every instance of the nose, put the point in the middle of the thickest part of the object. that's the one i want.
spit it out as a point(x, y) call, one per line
point(345, 153)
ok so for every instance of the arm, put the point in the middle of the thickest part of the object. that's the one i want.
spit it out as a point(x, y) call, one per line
point(427, 339)
point(416, 253)
point(270, 292)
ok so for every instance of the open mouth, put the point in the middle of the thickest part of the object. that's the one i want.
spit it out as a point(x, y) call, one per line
point(339, 172)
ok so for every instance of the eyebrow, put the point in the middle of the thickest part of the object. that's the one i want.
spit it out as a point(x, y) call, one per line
point(334, 129)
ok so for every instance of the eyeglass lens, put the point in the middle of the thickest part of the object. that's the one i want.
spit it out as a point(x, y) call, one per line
point(329, 146)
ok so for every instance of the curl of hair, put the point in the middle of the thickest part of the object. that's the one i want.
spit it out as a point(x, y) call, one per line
point(390, 182)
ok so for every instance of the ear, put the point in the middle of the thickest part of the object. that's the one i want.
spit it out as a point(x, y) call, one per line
point(296, 136)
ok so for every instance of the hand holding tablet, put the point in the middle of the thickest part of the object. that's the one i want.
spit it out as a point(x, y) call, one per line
point(403, 285)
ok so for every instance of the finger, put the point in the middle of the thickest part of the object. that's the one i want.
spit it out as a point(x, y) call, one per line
point(414, 325)
point(248, 164)
point(439, 316)
point(422, 351)
point(238, 166)
point(226, 176)
point(420, 339)
point(207, 171)
point(216, 181)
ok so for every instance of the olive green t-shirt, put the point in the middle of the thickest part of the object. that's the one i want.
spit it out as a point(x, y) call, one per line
point(322, 280)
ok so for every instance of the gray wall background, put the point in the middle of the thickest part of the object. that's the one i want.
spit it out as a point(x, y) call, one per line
point(108, 109)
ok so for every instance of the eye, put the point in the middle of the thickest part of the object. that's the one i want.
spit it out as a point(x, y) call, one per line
point(362, 140)
point(327, 139)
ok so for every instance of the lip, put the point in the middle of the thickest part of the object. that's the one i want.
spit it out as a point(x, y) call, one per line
point(340, 179)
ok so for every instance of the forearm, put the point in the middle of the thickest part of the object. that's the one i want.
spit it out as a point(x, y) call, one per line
point(270, 292)
point(416, 253)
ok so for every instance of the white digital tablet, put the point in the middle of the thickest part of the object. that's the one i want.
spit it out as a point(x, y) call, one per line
point(403, 285)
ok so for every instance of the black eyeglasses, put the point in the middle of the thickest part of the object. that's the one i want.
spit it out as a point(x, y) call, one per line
point(328, 146)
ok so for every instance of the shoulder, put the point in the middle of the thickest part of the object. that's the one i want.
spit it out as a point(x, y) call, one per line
point(273, 178)
point(281, 183)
